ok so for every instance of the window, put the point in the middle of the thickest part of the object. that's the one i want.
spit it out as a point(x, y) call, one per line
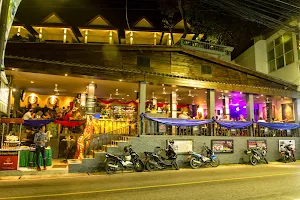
point(280, 52)
point(206, 69)
point(143, 61)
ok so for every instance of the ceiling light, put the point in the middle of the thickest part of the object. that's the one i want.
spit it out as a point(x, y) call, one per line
point(13, 69)
point(120, 80)
point(31, 82)
point(128, 95)
point(92, 81)
point(66, 74)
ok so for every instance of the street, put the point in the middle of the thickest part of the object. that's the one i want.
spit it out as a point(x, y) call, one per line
point(273, 181)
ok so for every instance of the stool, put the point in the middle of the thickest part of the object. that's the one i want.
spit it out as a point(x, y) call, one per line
point(31, 162)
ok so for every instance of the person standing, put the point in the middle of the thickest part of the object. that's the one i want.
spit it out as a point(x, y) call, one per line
point(40, 140)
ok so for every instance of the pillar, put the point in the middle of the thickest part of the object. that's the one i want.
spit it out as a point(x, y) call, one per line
point(65, 35)
point(91, 101)
point(296, 103)
point(225, 106)
point(211, 103)
point(17, 99)
point(142, 104)
point(269, 109)
point(173, 107)
point(250, 107)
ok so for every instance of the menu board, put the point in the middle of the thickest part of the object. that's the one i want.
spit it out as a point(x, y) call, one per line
point(222, 146)
point(257, 143)
point(182, 146)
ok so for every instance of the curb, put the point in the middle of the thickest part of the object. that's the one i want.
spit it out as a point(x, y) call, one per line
point(29, 177)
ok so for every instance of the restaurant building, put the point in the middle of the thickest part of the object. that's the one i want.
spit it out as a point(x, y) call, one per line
point(144, 69)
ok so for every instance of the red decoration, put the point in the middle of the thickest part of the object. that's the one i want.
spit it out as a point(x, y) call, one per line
point(8, 162)
point(117, 101)
point(70, 123)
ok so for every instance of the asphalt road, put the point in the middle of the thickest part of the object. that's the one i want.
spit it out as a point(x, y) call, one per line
point(273, 181)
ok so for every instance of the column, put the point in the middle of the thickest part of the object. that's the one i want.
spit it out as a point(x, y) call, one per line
point(17, 99)
point(269, 109)
point(296, 103)
point(211, 103)
point(91, 101)
point(225, 106)
point(173, 107)
point(250, 107)
point(142, 104)
point(250, 111)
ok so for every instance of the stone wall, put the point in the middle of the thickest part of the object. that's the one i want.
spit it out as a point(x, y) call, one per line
point(148, 143)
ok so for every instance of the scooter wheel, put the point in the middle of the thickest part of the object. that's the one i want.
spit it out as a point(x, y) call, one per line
point(193, 164)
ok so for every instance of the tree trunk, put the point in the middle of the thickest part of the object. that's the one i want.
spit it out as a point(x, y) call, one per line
point(183, 18)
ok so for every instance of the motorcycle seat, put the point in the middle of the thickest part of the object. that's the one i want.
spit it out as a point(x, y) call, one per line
point(111, 155)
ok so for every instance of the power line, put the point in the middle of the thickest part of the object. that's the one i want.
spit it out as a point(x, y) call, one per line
point(288, 4)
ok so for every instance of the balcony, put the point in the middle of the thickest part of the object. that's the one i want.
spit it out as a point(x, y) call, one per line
point(218, 51)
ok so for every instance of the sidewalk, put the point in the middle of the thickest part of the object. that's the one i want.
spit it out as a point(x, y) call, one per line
point(30, 174)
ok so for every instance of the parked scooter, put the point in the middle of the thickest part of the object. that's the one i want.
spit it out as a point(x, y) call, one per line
point(257, 155)
point(197, 160)
point(131, 161)
point(154, 160)
point(287, 153)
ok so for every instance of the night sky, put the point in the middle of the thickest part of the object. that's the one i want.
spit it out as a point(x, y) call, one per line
point(78, 12)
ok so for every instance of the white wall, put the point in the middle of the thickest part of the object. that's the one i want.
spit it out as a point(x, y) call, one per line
point(247, 59)
point(261, 56)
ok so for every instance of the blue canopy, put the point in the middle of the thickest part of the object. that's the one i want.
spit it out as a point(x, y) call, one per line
point(234, 125)
point(279, 126)
point(178, 122)
point(37, 123)
point(226, 124)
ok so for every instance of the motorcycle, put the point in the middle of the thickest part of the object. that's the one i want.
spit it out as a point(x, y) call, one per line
point(287, 153)
point(257, 155)
point(154, 160)
point(130, 161)
point(197, 160)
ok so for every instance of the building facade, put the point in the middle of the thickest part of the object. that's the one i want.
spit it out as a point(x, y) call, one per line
point(276, 54)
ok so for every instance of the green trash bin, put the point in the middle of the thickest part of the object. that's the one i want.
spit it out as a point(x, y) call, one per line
point(27, 158)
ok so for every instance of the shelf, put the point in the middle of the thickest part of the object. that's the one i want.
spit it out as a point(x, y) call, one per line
point(12, 142)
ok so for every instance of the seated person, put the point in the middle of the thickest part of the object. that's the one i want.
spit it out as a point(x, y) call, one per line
point(242, 119)
point(46, 115)
point(28, 115)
